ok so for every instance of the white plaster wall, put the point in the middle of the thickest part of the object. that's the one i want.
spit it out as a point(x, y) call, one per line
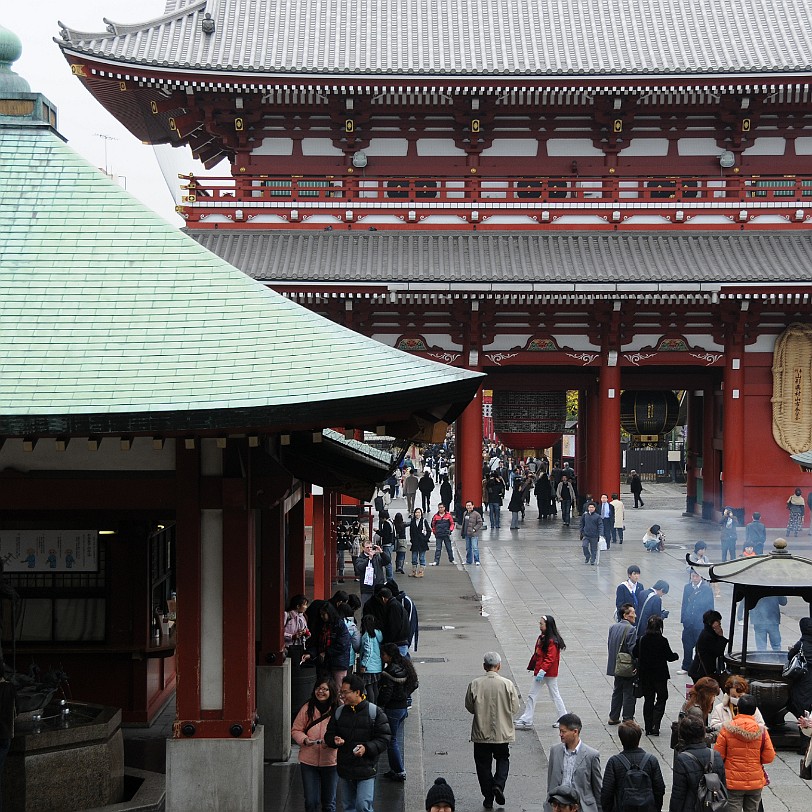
point(510, 147)
point(387, 146)
point(428, 147)
point(211, 610)
point(572, 147)
point(698, 146)
point(78, 457)
point(274, 146)
point(767, 146)
point(319, 146)
point(764, 343)
point(646, 146)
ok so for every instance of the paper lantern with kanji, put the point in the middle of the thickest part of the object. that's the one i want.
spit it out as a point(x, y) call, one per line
point(529, 419)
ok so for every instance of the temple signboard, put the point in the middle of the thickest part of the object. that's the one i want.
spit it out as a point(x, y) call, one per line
point(49, 550)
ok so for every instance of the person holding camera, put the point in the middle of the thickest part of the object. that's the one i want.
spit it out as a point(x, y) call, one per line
point(370, 568)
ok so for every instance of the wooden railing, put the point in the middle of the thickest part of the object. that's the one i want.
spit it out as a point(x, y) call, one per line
point(366, 190)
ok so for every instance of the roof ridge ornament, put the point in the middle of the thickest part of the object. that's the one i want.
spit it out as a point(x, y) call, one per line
point(207, 24)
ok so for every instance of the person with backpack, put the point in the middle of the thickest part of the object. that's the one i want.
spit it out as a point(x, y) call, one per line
point(398, 682)
point(359, 730)
point(745, 746)
point(699, 772)
point(410, 610)
point(632, 780)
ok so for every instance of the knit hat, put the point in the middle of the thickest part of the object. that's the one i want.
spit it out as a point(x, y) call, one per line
point(440, 792)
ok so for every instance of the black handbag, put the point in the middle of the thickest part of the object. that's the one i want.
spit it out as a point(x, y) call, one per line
point(796, 667)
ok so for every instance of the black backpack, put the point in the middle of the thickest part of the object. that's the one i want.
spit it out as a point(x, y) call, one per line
point(711, 792)
point(635, 793)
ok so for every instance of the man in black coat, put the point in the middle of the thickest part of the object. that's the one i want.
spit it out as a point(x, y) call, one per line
point(618, 765)
point(636, 487)
point(697, 598)
point(591, 527)
point(360, 733)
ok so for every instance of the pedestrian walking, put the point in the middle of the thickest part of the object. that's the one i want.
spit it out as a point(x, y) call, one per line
point(653, 653)
point(565, 494)
point(398, 682)
point(359, 730)
point(317, 761)
point(796, 507)
point(636, 487)
point(622, 637)
point(400, 543)
point(493, 701)
point(516, 504)
point(544, 496)
point(410, 482)
point(591, 531)
point(426, 485)
point(646, 796)
point(574, 764)
point(544, 664)
point(496, 493)
point(630, 591)
point(697, 598)
point(607, 513)
point(620, 519)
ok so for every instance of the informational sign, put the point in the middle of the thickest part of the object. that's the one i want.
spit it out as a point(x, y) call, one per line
point(568, 446)
point(50, 550)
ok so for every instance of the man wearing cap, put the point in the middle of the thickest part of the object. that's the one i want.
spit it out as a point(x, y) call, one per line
point(440, 797)
point(653, 604)
point(564, 799)
point(494, 702)
point(574, 769)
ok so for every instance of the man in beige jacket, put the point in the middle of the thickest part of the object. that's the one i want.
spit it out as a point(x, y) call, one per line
point(494, 702)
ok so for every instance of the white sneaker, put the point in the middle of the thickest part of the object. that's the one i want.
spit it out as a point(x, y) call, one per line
point(520, 724)
point(433, 564)
point(682, 671)
point(477, 563)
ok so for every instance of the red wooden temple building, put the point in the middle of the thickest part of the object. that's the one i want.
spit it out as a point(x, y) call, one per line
point(604, 197)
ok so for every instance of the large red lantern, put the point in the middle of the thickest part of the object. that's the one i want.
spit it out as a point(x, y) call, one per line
point(525, 420)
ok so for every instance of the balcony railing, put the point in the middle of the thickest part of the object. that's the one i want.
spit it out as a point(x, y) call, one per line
point(475, 199)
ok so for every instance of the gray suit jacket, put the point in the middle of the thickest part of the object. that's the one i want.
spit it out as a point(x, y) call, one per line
point(587, 779)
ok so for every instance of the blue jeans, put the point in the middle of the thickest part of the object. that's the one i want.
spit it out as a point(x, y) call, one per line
point(566, 508)
point(438, 550)
point(357, 795)
point(471, 549)
point(319, 784)
point(389, 549)
point(770, 630)
point(395, 748)
point(421, 557)
point(493, 513)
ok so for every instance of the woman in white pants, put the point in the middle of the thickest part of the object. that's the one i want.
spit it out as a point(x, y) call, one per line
point(544, 665)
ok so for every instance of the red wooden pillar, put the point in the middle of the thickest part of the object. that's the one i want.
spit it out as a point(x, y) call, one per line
point(239, 609)
point(320, 588)
point(469, 450)
point(188, 582)
point(733, 426)
point(583, 451)
point(331, 538)
point(692, 452)
point(593, 448)
point(710, 472)
point(608, 431)
point(272, 586)
point(296, 548)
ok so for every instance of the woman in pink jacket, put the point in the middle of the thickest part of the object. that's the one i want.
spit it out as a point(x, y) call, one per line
point(317, 762)
point(544, 665)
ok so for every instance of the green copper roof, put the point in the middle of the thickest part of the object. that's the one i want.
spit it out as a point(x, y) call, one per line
point(113, 320)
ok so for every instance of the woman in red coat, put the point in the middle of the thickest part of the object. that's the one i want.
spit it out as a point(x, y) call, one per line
point(544, 665)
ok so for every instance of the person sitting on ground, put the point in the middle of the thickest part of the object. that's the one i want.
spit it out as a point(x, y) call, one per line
point(618, 765)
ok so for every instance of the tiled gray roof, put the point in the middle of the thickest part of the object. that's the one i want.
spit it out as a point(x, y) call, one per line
point(110, 318)
point(581, 259)
point(462, 37)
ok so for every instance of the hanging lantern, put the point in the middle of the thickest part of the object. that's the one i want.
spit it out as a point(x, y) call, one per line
point(524, 420)
point(648, 415)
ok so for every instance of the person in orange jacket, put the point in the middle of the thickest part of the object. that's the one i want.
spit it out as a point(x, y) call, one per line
point(745, 745)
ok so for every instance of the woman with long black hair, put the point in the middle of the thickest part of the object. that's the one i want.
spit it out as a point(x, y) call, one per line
point(317, 762)
point(544, 664)
point(419, 533)
point(400, 543)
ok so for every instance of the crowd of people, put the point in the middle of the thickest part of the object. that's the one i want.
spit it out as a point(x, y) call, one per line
point(719, 730)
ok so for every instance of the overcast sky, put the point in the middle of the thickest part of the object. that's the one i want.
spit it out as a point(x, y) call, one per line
point(81, 118)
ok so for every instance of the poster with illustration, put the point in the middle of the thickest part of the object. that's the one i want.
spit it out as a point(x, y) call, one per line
point(49, 550)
